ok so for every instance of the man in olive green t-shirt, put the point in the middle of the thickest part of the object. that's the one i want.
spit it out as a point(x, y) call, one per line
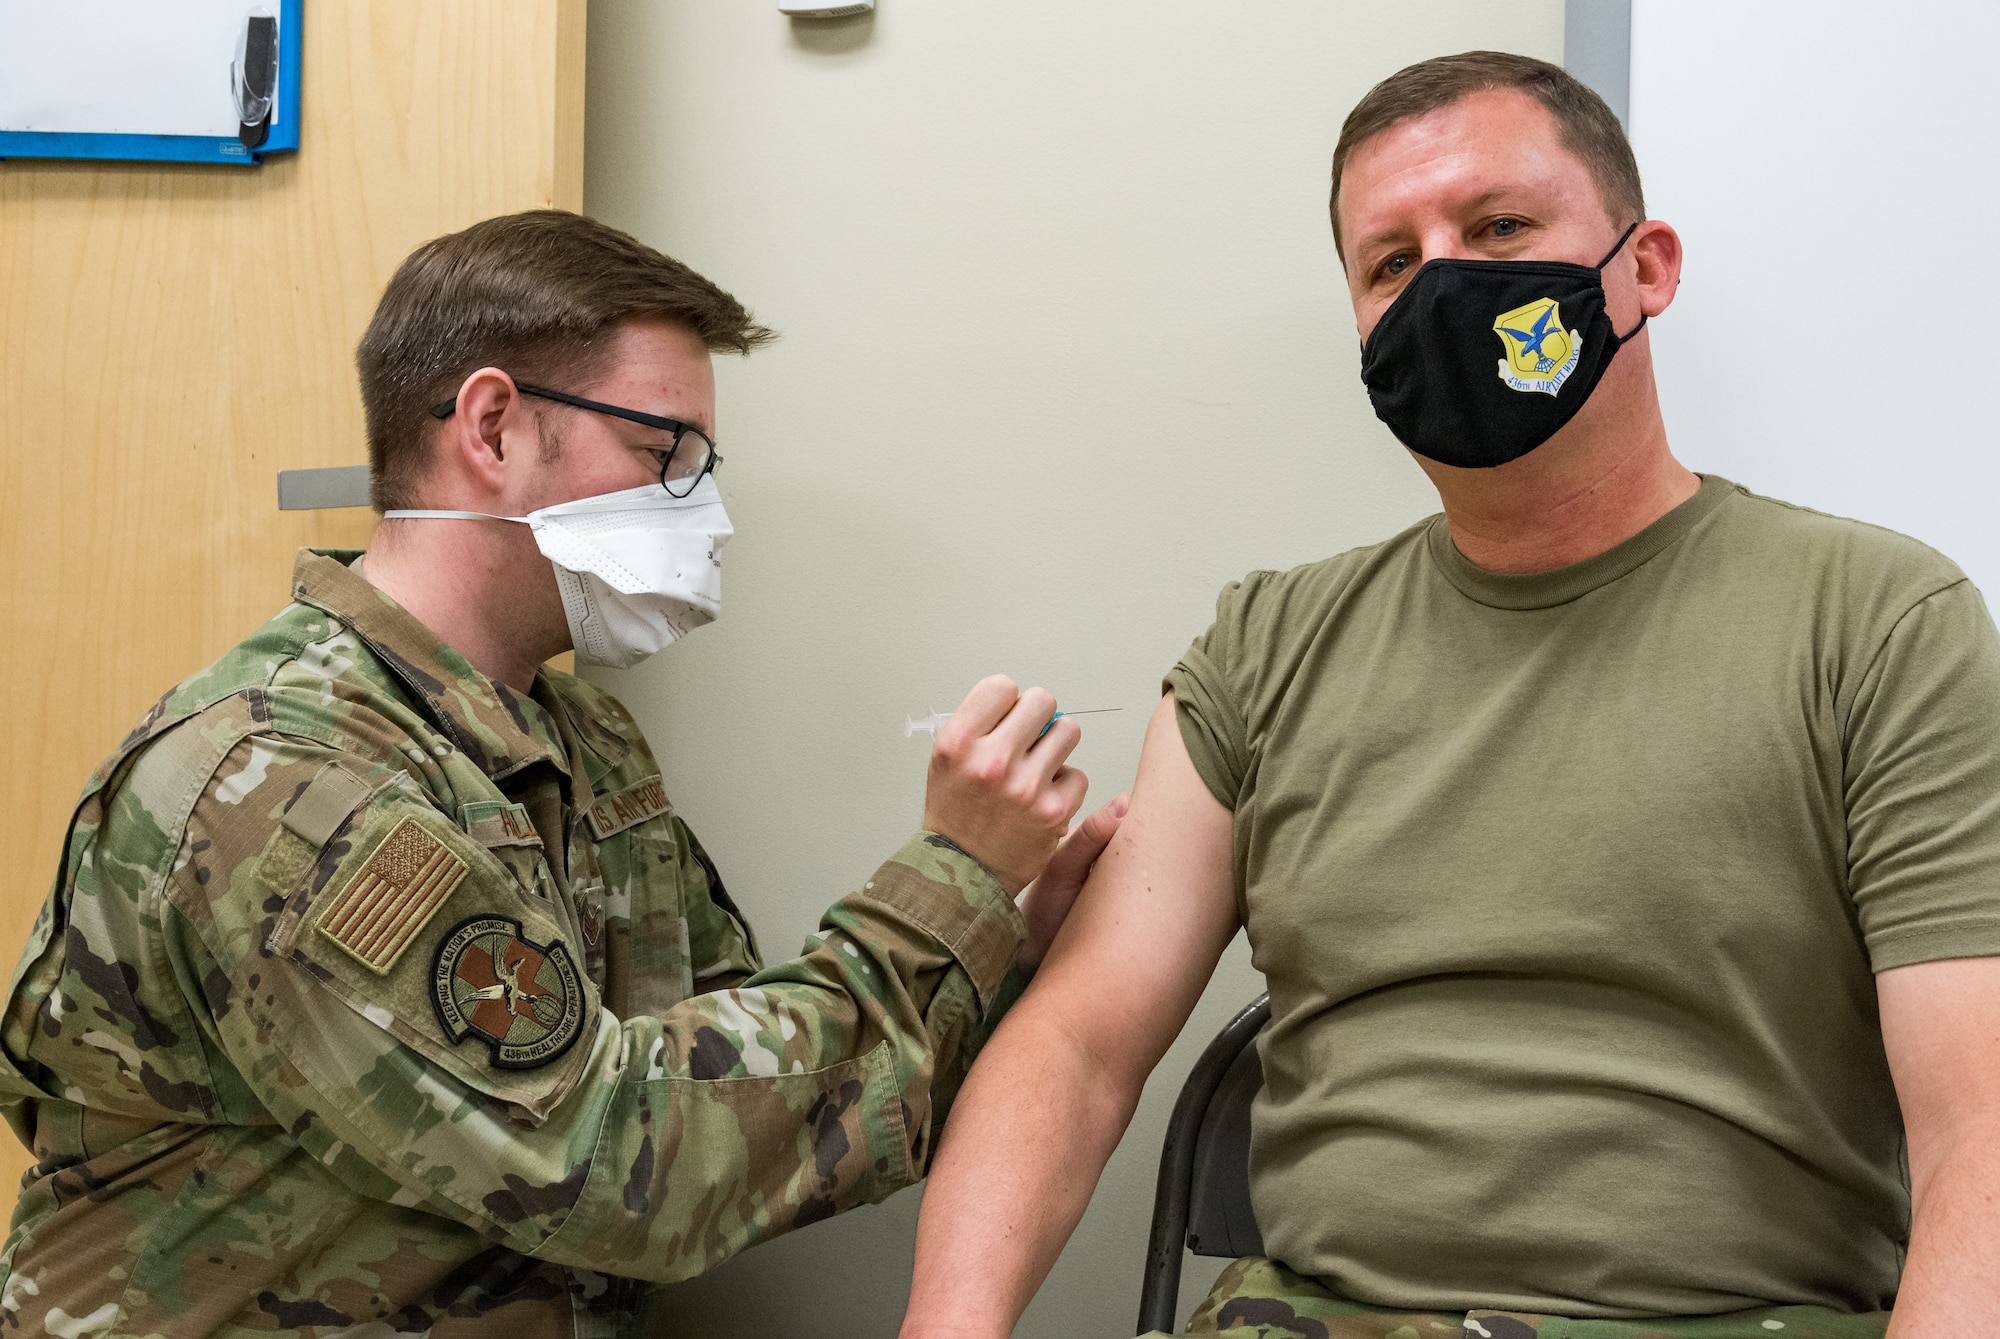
point(1622, 848)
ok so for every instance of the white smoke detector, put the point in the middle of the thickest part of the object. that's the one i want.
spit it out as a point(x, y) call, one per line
point(820, 9)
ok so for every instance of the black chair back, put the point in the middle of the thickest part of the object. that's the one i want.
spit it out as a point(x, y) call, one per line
point(1203, 1199)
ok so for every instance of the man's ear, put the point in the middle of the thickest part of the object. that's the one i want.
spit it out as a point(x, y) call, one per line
point(1657, 248)
point(486, 429)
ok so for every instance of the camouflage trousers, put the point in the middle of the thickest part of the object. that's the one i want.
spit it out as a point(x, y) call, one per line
point(1261, 1299)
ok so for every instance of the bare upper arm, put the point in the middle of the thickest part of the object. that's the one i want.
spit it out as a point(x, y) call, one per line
point(1146, 931)
point(1941, 1030)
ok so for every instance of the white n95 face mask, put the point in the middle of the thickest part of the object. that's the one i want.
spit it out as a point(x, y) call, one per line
point(637, 568)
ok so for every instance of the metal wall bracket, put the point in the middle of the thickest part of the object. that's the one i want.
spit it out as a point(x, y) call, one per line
point(316, 490)
point(1597, 49)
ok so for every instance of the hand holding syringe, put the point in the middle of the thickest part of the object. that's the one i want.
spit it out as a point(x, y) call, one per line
point(930, 723)
point(1000, 789)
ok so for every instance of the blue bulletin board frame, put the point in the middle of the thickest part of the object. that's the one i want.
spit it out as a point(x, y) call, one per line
point(284, 136)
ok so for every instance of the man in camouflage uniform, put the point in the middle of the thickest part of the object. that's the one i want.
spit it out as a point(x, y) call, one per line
point(382, 990)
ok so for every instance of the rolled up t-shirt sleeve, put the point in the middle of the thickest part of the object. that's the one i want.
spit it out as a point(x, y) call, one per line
point(1208, 704)
point(1922, 778)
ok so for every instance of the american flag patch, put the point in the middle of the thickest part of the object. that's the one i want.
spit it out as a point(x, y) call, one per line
point(403, 884)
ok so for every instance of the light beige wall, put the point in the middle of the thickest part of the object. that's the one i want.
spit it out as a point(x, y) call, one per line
point(1066, 348)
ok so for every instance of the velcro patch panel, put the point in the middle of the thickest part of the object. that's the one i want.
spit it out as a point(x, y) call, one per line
point(324, 805)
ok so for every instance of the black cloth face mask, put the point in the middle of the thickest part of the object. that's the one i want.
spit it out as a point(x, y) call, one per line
point(1429, 363)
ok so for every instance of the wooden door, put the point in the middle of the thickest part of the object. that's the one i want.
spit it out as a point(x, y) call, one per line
point(171, 337)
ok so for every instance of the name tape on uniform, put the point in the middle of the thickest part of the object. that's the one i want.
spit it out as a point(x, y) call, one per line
point(498, 823)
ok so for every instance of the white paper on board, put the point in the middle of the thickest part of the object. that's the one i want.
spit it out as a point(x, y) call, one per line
point(134, 67)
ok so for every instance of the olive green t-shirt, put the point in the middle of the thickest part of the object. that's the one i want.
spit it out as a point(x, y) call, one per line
point(1570, 887)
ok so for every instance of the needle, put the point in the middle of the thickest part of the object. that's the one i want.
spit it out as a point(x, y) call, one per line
point(930, 723)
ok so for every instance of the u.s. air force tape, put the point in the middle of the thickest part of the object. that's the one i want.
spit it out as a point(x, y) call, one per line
point(631, 806)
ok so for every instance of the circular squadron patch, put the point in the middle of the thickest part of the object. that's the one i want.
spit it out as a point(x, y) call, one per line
point(525, 1000)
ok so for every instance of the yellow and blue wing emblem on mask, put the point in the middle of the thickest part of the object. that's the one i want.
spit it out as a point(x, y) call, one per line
point(1540, 352)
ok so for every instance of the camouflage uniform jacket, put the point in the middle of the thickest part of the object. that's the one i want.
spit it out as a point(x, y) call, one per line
point(367, 1003)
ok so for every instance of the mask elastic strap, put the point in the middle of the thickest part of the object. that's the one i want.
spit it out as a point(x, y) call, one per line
point(1623, 238)
point(403, 515)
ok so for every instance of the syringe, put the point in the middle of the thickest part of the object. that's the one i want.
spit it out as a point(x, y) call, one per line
point(930, 723)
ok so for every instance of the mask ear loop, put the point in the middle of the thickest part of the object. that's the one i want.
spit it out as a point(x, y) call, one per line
point(420, 514)
point(1623, 238)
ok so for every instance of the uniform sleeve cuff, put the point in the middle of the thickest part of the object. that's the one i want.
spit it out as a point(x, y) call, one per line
point(1958, 937)
point(952, 897)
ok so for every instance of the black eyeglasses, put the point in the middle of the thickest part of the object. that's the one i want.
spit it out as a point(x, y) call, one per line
point(679, 472)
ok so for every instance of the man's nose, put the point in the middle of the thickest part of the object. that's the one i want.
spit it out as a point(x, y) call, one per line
point(1443, 243)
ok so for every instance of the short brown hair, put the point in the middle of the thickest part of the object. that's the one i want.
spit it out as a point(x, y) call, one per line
point(1588, 127)
point(538, 294)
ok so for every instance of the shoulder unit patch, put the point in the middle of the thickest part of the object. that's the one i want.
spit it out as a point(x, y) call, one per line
point(392, 896)
point(524, 1000)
